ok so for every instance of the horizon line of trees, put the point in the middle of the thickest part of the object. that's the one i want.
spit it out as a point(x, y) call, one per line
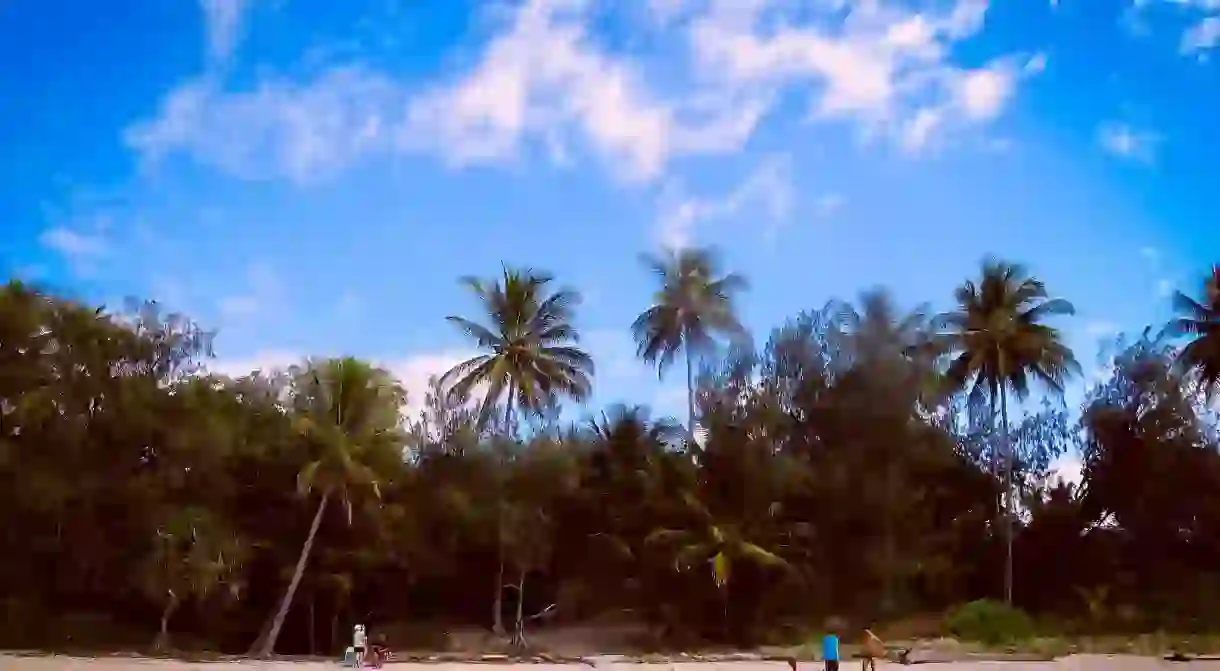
point(864, 461)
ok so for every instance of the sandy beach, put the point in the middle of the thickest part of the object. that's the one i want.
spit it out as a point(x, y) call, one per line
point(1072, 663)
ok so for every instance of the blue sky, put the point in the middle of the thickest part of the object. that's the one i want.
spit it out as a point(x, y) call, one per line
point(312, 177)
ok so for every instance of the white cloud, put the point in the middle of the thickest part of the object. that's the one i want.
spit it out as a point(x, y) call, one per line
point(1164, 287)
point(222, 22)
point(75, 245)
point(1203, 35)
point(279, 129)
point(768, 187)
point(545, 81)
point(545, 77)
point(412, 371)
point(982, 93)
point(1068, 468)
point(415, 371)
point(1126, 142)
point(265, 361)
point(886, 68)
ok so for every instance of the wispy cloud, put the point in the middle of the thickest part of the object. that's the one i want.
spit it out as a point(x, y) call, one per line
point(75, 245)
point(1201, 36)
point(222, 24)
point(1127, 142)
point(82, 244)
point(768, 187)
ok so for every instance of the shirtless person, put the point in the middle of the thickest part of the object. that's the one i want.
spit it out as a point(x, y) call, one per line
point(873, 648)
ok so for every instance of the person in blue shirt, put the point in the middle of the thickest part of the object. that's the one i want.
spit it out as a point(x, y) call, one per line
point(830, 646)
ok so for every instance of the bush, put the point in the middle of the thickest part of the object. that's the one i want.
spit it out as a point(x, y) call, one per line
point(989, 622)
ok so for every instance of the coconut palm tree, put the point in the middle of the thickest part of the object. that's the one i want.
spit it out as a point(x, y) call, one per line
point(531, 356)
point(999, 344)
point(531, 360)
point(1200, 321)
point(348, 418)
point(692, 305)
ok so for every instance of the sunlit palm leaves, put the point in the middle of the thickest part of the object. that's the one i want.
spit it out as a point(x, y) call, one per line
point(720, 546)
point(692, 306)
point(531, 358)
point(349, 415)
point(1200, 322)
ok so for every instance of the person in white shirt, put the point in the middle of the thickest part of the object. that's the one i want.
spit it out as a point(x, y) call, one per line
point(359, 642)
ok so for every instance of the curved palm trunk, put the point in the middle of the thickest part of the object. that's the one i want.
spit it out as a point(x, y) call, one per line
point(1008, 519)
point(268, 645)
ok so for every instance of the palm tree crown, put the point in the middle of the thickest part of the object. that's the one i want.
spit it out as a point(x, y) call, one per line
point(997, 336)
point(530, 341)
point(693, 305)
point(1200, 321)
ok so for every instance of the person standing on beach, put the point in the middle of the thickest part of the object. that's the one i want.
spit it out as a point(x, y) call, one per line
point(874, 647)
point(359, 642)
point(830, 646)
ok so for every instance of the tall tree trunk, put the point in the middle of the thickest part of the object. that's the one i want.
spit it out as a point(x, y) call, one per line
point(268, 645)
point(1008, 518)
point(519, 634)
point(690, 395)
point(313, 598)
point(508, 415)
point(497, 606)
point(887, 600)
point(171, 604)
point(995, 461)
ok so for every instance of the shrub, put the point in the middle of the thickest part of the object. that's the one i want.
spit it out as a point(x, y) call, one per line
point(989, 622)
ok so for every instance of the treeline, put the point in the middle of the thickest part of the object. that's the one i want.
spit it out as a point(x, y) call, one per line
point(853, 464)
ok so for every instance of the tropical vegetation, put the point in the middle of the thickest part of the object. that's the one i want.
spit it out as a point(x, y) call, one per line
point(865, 459)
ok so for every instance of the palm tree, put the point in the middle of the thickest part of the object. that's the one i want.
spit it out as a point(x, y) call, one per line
point(693, 305)
point(999, 344)
point(1200, 321)
point(531, 360)
point(348, 418)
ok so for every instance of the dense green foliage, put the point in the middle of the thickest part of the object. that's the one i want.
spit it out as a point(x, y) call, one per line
point(990, 622)
point(846, 466)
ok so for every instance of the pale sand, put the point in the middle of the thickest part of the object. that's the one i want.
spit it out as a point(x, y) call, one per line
point(1073, 663)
